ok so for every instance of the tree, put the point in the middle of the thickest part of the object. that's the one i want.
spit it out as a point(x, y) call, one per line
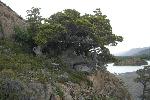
point(34, 19)
point(144, 79)
point(26, 36)
point(69, 29)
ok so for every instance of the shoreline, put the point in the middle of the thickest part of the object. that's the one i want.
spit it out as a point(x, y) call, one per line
point(135, 89)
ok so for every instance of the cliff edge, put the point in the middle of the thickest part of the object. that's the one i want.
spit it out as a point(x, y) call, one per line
point(8, 20)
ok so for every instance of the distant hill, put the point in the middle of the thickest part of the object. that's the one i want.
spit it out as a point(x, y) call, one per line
point(136, 52)
point(144, 52)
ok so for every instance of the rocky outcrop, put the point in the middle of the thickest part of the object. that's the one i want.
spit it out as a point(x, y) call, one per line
point(105, 86)
point(17, 90)
point(8, 20)
point(78, 62)
point(134, 88)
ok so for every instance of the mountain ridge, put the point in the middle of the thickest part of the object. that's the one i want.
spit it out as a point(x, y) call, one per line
point(135, 52)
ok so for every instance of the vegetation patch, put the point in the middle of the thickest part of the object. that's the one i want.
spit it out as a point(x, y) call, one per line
point(130, 61)
point(33, 55)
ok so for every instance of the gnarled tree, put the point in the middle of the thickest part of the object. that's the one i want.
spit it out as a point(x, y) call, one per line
point(70, 29)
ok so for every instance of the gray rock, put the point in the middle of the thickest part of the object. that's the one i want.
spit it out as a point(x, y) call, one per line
point(13, 89)
point(82, 68)
point(70, 58)
point(67, 97)
point(135, 89)
point(40, 91)
point(78, 62)
point(16, 90)
point(81, 98)
point(55, 64)
point(64, 75)
point(38, 50)
point(53, 97)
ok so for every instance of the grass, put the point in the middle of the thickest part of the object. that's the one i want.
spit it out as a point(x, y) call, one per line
point(17, 64)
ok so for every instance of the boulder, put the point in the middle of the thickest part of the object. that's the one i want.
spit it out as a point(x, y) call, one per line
point(67, 97)
point(82, 68)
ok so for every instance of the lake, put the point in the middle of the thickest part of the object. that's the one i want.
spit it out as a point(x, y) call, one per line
point(123, 69)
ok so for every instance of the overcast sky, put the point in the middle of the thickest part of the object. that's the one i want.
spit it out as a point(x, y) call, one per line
point(129, 18)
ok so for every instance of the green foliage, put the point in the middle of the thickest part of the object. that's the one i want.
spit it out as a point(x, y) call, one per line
point(145, 56)
point(27, 67)
point(26, 36)
point(79, 77)
point(130, 61)
point(10, 87)
point(48, 32)
point(105, 57)
point(21, 35)
point(34, 20)
point(61, 31)
point(144, 79)
point(13, 57)
point(59, 92)
point(69, 29)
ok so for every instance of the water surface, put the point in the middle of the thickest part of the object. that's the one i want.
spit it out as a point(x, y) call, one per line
point(123, 69)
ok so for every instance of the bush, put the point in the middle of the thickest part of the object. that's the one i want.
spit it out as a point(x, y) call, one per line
point(24, 38)
point(144, 79)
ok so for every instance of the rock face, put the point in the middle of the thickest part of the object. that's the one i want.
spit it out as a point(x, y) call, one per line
point(78, 62)
point(8, 20)
point(135, 89)
point(107, 84)
point(104, 85)
point(15, 90)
